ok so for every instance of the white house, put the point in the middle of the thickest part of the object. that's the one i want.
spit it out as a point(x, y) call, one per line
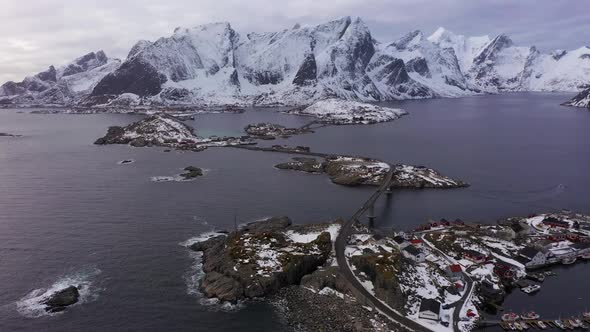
point(532, 257)
point(429, 309)
point(413, 253)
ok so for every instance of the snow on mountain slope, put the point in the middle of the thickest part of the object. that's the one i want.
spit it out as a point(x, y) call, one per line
point(499, 64)
point(561, 71)
point(212, 64)
point(429, 64)
point(466, 48)
point(582, 99)
point(60, 86)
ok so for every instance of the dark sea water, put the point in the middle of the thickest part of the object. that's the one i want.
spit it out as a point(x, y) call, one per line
point(69, 211)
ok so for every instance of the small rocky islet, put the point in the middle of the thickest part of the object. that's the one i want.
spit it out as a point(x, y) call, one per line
point(61, 299)
point(191, 172)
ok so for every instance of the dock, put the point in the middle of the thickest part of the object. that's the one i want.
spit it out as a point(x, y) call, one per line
point(534, 324)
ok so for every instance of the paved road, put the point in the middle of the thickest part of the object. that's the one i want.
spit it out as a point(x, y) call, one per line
point(340, 244)
point(458, 305)
point(342, 240)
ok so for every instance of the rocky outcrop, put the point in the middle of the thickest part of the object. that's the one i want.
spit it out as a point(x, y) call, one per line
point(191, 172)
point(271, 130)
point(61, 299)
point(582, 99)
point(308, 71)
point(259, 260)
point(133, 76)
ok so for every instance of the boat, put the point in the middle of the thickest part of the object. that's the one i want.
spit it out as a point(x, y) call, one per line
point(576, 322)
point(568, 260)
point(531, 289)
point(566, 323)
point(559, 324)
point(518, 326)
point(541, 325)
point(511, 326)
point(531, 315)
point(524, 325)
point(510, 317)
point(586, 315)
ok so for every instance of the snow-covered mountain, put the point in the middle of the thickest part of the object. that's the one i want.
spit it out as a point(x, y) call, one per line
point(213, 64)
point(60, 86)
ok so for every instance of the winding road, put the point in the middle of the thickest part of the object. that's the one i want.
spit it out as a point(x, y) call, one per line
point(340, 246)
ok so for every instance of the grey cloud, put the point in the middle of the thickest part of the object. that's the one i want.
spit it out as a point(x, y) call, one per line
point(41, 33)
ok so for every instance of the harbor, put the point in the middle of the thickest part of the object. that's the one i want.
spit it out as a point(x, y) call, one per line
point(513, 322)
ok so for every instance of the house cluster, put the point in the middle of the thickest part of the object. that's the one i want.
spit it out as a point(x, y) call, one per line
point(411, 248)
point(546, 252)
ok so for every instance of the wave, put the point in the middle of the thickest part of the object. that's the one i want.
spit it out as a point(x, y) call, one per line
point(31, 305)
point(195, 274)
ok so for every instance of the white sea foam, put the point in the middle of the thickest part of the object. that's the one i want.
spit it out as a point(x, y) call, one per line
point(201, 238)
point(195, 274)
point(31, 305)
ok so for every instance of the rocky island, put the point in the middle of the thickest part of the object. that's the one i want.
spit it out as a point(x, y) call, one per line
point(165, 131)
point(343, 112)
point(272, 131)
point(353, 171)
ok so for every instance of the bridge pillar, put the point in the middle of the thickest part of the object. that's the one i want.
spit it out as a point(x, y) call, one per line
point(371, 215)
point(388, 191)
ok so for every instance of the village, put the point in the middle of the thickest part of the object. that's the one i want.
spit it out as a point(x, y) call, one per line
point(456, 274)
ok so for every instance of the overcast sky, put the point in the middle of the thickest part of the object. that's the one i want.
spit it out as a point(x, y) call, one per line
point(37, 33)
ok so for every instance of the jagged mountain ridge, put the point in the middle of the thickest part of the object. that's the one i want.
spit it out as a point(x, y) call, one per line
point(213, 64)
point(60, 86)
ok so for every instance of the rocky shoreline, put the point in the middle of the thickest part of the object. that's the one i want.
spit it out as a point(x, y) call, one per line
point(261, 258)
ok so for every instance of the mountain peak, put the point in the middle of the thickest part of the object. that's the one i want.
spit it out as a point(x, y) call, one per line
point(410, 39)
point(441, 34)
